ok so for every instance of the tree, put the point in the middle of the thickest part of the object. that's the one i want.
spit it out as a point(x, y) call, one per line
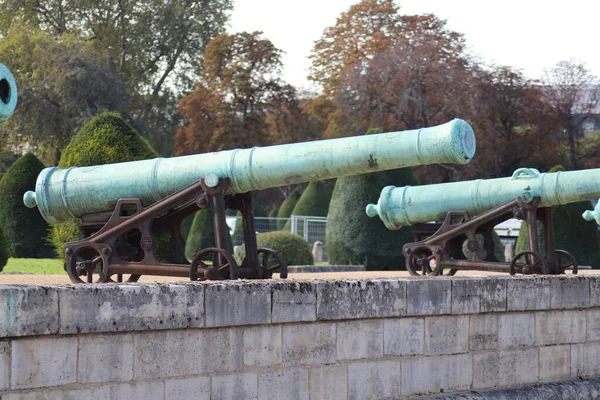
point(62, 83)
point(24, 228)
point(354, 238)
point(104, 139)
point(239, 89)
point(573, 94)
point(153, 45)
point(287, 207)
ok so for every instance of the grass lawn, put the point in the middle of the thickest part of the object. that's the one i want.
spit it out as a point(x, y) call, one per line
point(44, 266)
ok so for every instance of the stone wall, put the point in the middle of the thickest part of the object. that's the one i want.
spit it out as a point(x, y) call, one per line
point(388, 338)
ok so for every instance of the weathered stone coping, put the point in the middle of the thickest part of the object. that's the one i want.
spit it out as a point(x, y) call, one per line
point(303, 269)
point(27, 310)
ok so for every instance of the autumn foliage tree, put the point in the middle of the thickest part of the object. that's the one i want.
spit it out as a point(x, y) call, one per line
point(240, 101)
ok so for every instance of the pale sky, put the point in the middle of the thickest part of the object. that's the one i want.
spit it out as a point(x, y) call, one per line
point(530, 35)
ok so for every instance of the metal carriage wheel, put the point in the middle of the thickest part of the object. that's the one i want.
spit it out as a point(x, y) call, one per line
point(120, 278)
point(88, 261)
point(213, 270)
point(564, 260)
point(270, 262)
point(529, 262)
point(423, 261)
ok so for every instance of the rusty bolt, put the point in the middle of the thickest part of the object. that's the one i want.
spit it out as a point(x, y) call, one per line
point(106, 251)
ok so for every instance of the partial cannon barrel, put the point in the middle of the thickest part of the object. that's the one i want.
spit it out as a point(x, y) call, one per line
point(8, 93)
point(406, 206)
point(62, 194)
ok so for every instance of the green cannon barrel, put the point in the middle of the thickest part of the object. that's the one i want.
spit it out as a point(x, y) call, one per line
point(66, 193)
point(405, 206)
point(8, 93)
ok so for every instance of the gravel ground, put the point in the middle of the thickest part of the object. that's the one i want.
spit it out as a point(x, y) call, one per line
point(12, 279)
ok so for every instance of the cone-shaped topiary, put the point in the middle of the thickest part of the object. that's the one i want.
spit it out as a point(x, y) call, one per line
point(105, 139)
point(293, 248)
point(202, 234)
point(4, 252)
point(354, 238)
point(272, 218)
point(287, 207)
point(314, 202)
point(571, 232)
point(24, 228)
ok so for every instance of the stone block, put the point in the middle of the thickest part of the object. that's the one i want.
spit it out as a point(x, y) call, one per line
point(105, 358)
point(528, 293)
point(329, 382)
point(560, 327)
point(262, 345)
point(430, 375)
point(187, 352)
point(94, 393)
point(429, 296)
point(483, 334)
point(594, 290)
point(236, 386)
point(4, 365)
point(493, 294)
point(197, 388)
point(313, 343)
point(237, 303)
point(404, 336)
point(359, 339)
point(374, 380)
point(288, 383)
point(294, 302)
point(593, 324)
point(378, 298)
point(571, 291)
point(130, 307)
point(447, 335)
point(515, 330)
point(466, 293)
point(154, 390)
point(506, 368)
point(28, 310)
point(40, 362)
point(584, 360)
point(555, 363)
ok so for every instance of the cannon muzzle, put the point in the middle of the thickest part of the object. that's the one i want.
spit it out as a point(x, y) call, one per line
point(8, 93)
point(406, 206)
point(62, 194)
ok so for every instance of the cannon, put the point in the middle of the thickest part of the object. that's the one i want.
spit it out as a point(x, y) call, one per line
point(8, 93)
point(476, 207)
point(122, 207)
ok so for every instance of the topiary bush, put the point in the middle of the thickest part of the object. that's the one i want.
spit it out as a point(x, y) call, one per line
point(4, 252)
point(293, 248)
point(202, 234)
point(571, 232)
point(24, 228)
point(313, 202)
point(105, 139)
point(354, 238)
point(287, 207)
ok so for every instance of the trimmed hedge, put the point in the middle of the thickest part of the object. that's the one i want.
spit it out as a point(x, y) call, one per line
point(287, 207)
point(354, 238)
point(571, 232)
point(105, 139)
point(4, 252)
point(314, 202)
point(202, 234)
point(293, 248)
point(24, 228)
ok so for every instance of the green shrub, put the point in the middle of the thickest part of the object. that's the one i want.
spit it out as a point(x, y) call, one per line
point(202, 234)
point(4, 252)
point(314, 202)
point(293, 248)
point(24, 228)
point(571, 232)
point(105, 139)
point(354, 238)
point(287, 207)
